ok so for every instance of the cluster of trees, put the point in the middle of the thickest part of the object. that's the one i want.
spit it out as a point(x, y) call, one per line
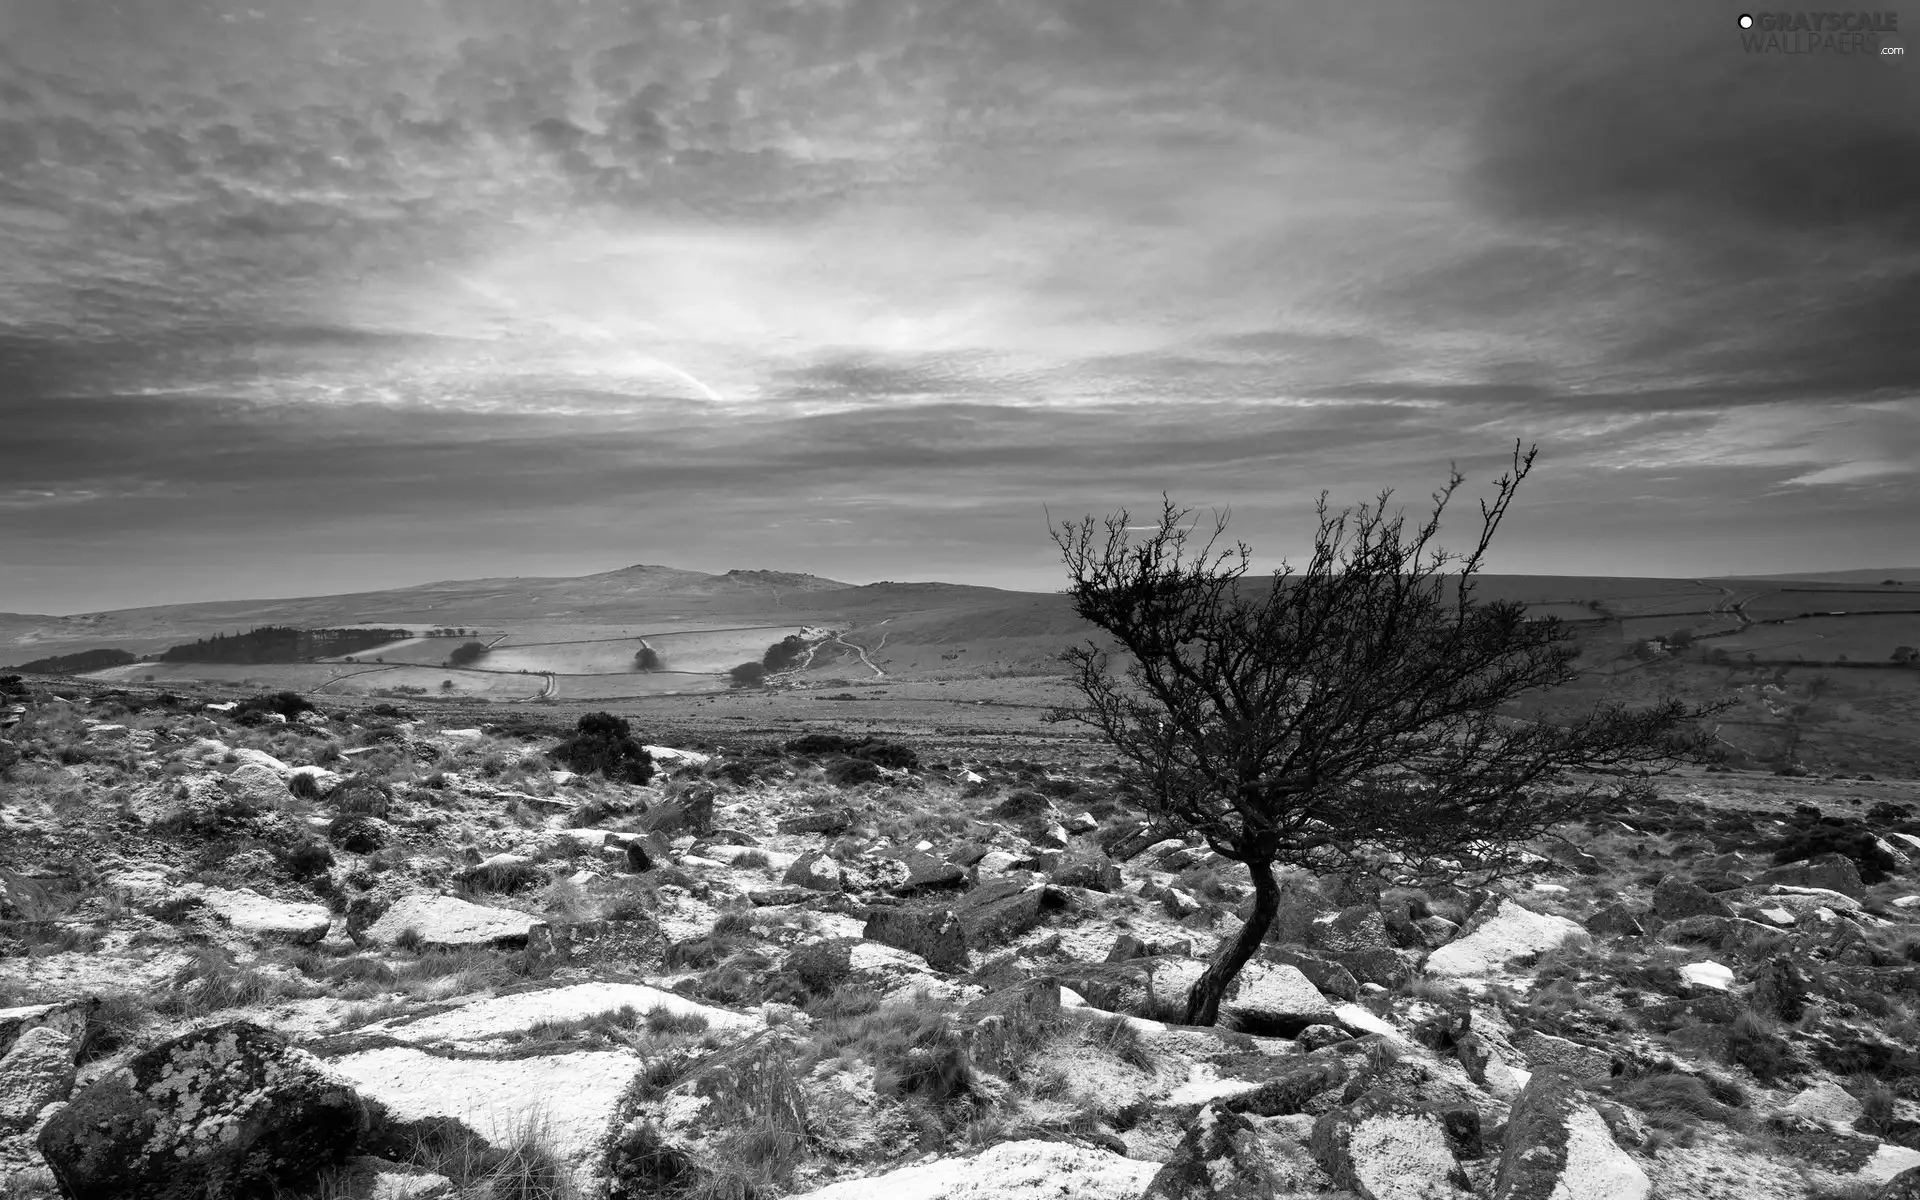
point(280, 644)
point(784, 653)
point(76, 664)
point(449, 631)
point(466, 654)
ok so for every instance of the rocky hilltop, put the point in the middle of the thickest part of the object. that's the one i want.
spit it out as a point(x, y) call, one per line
point(267, 949)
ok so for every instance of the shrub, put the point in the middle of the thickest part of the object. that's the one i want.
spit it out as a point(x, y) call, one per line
point(253, 710)
point(304, 786)
point(358, 832)
point(361, 793)
point(875, 750)
point(307, 858)
point(605, 744)
point(784, 653)
point(851, 772)
point(467, 653)
point(747, 674)
point(504, 877)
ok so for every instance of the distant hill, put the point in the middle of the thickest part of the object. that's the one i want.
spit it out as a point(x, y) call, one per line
point(1871, 575)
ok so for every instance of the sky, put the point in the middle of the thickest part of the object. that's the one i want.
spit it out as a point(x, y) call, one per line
point(304, 298)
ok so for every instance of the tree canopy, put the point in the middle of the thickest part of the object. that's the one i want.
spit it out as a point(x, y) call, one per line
point(1351, 715)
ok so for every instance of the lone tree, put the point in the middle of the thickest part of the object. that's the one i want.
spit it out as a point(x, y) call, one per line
point(646, 658)
point(1348, 716)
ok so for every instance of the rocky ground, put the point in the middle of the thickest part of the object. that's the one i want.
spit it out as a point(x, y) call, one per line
point(353, 954)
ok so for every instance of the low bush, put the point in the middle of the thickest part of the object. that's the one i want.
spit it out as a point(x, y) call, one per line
point(851, 772)
point(603, 743)
point(254, 709)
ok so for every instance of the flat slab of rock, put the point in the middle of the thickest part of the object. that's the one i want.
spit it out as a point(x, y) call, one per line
point(250, 912)
point(575, 1094)
point(1495, 938)
point(1264, 998)
point(449, 921)
point(501, 1015)
point(1026, 1170)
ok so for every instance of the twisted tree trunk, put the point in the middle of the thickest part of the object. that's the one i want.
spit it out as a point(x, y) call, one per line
point(1203, 999)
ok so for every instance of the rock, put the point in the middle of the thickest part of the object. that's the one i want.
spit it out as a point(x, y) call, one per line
point(1835, 872)
point(1356, 927)
point(1095, 874)
point(1331, 978)
point(1904, 1186)
point(575, 1095)
point(1081, 823)
point(1708, 974)
point(1004, 909)
point(1616, 920)
point(1377, 965)
point(67, 1017)
point(1319, 1037)
point(1435, 932)
point(634, 944)
point(831, 821)
point(1266, 999)
point(934, 934)
point(1023, 1170)
point(260, 758)
point(1545, 1052)
point(35, 1072)
point(1826, 1102)
point(1222, 1157)
point(925, 873)
point(1718, 931)
point(1558, 1148)
point(367, 1178)
point(448, 921)
point(772, 897)
point(1781, 989)
point(1312, 1087)
point(1179, 903)
point(1498, 933)
point(1675, 898)
point(251, 913)
point(815, 871)
point(223, 1110)
point(1127, 946)
point(1384, 1147)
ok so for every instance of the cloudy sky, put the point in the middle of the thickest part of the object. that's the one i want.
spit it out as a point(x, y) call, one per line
point(301, 297)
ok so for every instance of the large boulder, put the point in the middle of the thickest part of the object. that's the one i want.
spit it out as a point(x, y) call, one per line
point(1004, 909)
point(450, 921)
point(1559, 1148)
point(1674, 898)
point(1225, 1157)
point(251, 913)
point(934, 934)
point(1356, 927)
point(35, 1072)
point(1386, 1147)
point(814, 871)
point(228, 1110)
point(1904, 1186)
point(1835, 872)
point(1265, 998)
point(1498, 933)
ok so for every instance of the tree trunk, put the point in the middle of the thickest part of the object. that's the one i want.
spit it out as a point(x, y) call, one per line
point(1203, 1000)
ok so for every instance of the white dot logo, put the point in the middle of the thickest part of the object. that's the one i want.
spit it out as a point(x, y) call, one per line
point(1746, 22)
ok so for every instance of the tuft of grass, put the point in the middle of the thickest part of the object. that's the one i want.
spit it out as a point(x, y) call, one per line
point(521, 1163)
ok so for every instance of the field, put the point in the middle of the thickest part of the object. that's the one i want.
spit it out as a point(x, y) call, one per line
point(713, 651)
point(1826, 639)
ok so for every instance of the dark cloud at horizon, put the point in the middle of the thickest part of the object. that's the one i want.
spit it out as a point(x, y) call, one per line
point(862, 286)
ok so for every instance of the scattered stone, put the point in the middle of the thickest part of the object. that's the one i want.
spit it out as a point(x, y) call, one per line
point(1545, 1052)
point(815, 871)
point(1024, 1170)
point(1558, 1148)
point(832, 822)
point(1386, 1147)
point(1835, 872)
point(227, 1109)
point(1616, 920)
point(1708, 974)
point(449, 921)
point(1826, 1102)
point(1222, 1157)
point(251, 913)
point(1498, 933)
point(1675, 898)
